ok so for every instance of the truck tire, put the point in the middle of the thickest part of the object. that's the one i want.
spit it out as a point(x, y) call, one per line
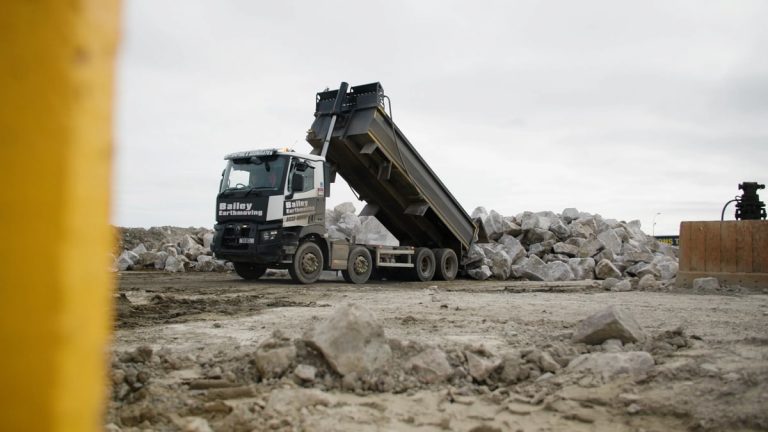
point(447, 264)
point(307, 263)
point(423, 264)
point(249, 271)
point(359, 266)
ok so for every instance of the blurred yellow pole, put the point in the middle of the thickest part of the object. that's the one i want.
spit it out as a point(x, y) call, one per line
point(56, 77)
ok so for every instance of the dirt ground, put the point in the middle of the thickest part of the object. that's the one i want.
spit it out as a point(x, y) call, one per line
point(182, 357)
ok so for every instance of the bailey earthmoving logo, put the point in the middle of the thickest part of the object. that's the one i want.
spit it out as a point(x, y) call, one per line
point(238, 209)
point(298, 207)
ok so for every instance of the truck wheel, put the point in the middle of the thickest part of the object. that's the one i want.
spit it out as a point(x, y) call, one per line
point(359, 266)
point(447, 264)
point(250, 271)
point(423, 264)
point(307, 263)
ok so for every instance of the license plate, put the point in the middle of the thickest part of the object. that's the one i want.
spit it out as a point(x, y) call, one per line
point(246, 240)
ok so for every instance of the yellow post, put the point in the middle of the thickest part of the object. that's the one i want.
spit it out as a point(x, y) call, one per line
point(56, 69)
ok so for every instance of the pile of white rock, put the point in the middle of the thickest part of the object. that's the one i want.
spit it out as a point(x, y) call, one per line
point(573, 245)
point(191, 252)
point(343, 223)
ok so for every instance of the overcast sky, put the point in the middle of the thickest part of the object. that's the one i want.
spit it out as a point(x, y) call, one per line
point(626, 109)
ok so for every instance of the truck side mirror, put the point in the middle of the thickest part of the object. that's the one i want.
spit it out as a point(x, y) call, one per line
point(297, 182)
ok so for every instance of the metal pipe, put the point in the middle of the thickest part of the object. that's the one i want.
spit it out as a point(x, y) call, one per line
point(722, 214)
point(337, 104)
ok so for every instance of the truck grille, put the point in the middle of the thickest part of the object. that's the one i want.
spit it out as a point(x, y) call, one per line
point(232, 235)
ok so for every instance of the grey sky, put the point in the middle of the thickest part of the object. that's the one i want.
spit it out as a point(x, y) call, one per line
point(620, 108)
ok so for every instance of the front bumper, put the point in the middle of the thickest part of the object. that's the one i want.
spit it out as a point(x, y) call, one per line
point(243, 242)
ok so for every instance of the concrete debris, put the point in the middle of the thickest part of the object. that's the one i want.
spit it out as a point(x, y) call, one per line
point(539, 246)
point(430, 366)
point(565, 249)
point(570, 214)
point(305, 372)
point(609, 323)
point(589, 245)
point(351, 340)
point(706, 284)
point(513, 367)
point(512, 247)
point(613, 345)
point(646, 283)
point(167, 248)
point(536, 269)
point(481, 367)
point(609, 283)
point(621, 286)
point(582, 268)
point(286, 401)
point(612, 364)
point(480, 273)
point(543, 360)
point(605, 269)
point(274, 356)
point(205, 263)
point(175, 264)
point(343, 223)
point(127, 260)
point(511, 228)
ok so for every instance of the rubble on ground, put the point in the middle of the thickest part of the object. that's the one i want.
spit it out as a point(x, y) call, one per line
point(167, 248)
point(349, 351)
point(541, 246)
point(572, 245)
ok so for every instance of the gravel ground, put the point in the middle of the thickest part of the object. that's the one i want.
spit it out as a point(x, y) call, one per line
point(184, 344)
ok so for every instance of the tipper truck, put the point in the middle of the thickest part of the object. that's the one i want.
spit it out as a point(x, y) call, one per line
point(270, 210)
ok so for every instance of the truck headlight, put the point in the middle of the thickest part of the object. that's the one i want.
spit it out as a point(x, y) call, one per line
point(268, 235)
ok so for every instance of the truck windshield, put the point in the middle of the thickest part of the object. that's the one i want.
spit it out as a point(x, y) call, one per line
point(256, 173)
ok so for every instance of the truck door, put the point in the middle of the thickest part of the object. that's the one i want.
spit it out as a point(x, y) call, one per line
point(305, 202)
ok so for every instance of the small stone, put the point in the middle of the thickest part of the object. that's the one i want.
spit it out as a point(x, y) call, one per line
point(174, 264)
point(609, 283)
point(646, 283)
point(481, 273)
point(613, 345)
point(582, 268)
point(305, 372)
point(622, 286)
point(570, 214)
point(274, 356)
point(609, 365)
point(609, 323)
point(565, 249)
point(513, 368)
point(706, 284)
point(605, 269)
point(430, 366)
point(543, 360)
point(480, 367)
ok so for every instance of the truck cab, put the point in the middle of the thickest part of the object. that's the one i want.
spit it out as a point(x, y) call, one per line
point(268, 200)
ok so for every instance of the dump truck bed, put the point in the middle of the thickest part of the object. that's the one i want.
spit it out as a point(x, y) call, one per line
point(374, 157)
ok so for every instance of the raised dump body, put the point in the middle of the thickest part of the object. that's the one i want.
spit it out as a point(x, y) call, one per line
point(374, 157)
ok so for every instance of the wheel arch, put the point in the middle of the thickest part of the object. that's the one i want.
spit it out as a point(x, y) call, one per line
point(317, 234)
